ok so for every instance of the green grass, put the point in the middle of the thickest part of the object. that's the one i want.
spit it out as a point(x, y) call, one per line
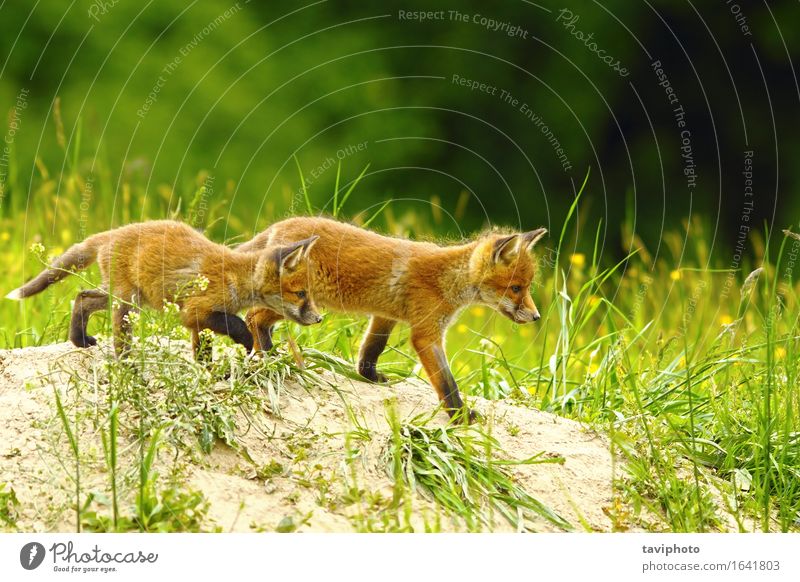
point(464, 470)
point(689, 363)
point(8, 505)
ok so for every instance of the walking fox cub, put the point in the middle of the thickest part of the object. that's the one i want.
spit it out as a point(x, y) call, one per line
point(426, 285)
point(153, 262)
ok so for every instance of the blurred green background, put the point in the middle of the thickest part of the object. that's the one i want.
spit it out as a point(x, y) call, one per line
point(683, 114)
point(163, 97)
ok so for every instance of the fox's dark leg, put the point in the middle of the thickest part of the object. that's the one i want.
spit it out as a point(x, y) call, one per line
point(219, 322)
point(125, 302)
point(260, 322)
point(122, 329)
point(86, 303)
point(372, 347)
point(195, 321)
point(201, 349)
point(231, 325)
point(430, 349)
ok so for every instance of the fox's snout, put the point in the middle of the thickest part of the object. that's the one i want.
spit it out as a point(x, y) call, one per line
point(305, 314)
point(309, 313)
point(524, 315)
point(308, 318)
point(523, 312)
point(526, 311)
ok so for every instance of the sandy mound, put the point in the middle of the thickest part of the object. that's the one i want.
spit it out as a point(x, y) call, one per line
point(306, 448)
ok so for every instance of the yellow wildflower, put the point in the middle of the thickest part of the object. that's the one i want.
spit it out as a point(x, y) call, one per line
point(578, 259)
point(676, 275)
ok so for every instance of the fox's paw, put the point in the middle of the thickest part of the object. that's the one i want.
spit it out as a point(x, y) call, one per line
point(84, 341)
point(466, 416)
point(474, 416)
point(370, 372)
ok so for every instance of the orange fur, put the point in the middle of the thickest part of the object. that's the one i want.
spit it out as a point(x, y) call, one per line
point(424, 284)
point(153, 262)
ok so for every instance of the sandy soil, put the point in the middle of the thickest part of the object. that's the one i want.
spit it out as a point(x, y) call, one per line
point(35, 460)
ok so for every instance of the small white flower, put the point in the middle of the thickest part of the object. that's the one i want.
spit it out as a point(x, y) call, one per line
point(553, 364)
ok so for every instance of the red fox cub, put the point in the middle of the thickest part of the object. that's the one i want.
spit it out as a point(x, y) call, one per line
point(153, 262)
point(353, 269)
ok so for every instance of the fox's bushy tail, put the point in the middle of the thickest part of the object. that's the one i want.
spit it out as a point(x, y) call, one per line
point(77, 258)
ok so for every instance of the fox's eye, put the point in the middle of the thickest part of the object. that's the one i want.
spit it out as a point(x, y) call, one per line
point(301, 294)
point(516, 288)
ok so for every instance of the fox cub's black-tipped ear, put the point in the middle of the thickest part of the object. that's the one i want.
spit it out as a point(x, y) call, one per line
point(529, 239)
point(507, 248)
point(290, 257)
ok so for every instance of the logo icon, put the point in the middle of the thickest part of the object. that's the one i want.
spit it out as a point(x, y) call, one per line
point(31, 555)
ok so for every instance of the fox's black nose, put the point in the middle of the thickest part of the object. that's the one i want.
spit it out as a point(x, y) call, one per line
point(318, 318)
point(536, 316)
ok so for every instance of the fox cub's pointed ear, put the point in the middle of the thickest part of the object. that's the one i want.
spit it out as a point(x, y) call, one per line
point(290, 257)
point(506, 249)
point(308, 243)
point(529, 239)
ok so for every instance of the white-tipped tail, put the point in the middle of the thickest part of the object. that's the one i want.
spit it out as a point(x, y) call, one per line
point(16, 295)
